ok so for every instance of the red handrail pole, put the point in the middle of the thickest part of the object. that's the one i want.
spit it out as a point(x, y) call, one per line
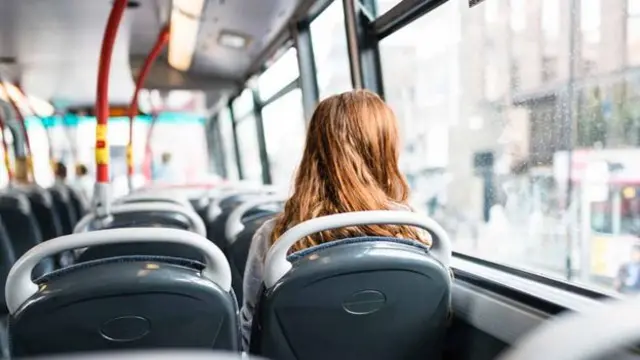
point(102, 93)
point(161, 42)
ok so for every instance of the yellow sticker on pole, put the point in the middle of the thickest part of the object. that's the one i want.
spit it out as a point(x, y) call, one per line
point(102, 156)
point(129, 155)
point(30, 163)
point(7, 160)
point(101, 132)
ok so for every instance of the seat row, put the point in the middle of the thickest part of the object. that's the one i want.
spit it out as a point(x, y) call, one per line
point(156, 275)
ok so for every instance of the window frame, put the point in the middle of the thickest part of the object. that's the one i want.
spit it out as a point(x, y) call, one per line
point(365, 29)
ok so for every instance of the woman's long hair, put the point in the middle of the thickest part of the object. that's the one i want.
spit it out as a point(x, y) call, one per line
point(350, 163)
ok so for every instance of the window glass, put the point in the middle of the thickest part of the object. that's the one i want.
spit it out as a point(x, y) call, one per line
point(487, 116)
point(633, 32)
point(40, 148)
point(551, 19)
point(285, 135)
point(226, 130)
point(279, 74)
point(329, 40)
point(249, 149)
point(518, 15)
point(4, 177)
point(385, 5)
point(243, 104)
point(590, 12)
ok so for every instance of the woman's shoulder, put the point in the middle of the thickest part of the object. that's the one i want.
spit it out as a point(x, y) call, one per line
point(263, 234)
point(267, 226)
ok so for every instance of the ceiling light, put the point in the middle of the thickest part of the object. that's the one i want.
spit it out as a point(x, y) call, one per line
point(185, 23)
point(233, 40)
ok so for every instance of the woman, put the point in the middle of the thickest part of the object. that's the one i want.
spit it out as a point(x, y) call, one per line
point(350, 163)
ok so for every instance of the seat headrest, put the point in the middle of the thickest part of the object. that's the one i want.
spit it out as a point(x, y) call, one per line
point(357, 240)
point(196, 265)
point(15, 201)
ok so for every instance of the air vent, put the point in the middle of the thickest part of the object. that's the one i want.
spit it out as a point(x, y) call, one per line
point(233, 40)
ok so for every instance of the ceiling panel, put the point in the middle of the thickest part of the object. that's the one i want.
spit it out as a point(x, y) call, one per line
point(57, 46)
point(57, 43)
point(261, 20)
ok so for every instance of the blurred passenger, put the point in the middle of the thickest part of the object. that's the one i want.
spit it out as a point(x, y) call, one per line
point(84, 181)
point(167, 172)
point(350, 163)
point(628, 278)
point(60, 173)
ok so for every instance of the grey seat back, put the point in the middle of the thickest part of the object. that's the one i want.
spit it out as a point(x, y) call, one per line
point(216, 226)
point(363, 298)
point(129, 302)
point(238, 251)
point(146, 219)
point(22, 228)
point(7, 258)
point(64, 208)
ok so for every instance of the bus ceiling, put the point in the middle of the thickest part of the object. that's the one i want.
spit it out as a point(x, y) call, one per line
point(50, 47)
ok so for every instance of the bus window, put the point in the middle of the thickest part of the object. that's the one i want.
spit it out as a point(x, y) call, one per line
point(283, 71)
point(226, 129)
point(329, 41)
point(285, 133)
point(249, 149)
point(527, 115)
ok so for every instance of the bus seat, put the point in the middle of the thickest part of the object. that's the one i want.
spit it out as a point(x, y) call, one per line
point(47, 217)
point(134, 302)
point(240, 228)
point(22, 228)
point(64, 209)
point(219, 211)
point(43, 209)
point(358, 298)
point(146, 214)
point(149, 196)
point(238, 251)
point(79, 203)
point(7, 258)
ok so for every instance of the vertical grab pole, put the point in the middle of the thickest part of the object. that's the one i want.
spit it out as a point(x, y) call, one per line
point(52, 161)
point(23, 126)
point(161, 42)
point(148, 154)
point(5, 149)
point(101, 193)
